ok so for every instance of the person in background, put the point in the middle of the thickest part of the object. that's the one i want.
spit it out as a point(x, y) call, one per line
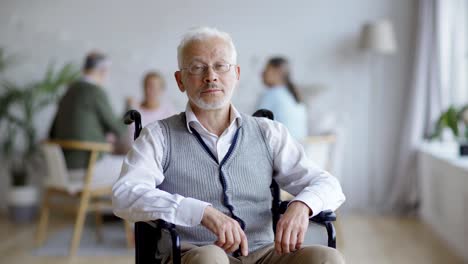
point(85, 114)
point(282, 98)
point(152, 107)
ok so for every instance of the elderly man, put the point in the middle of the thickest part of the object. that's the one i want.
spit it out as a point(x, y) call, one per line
point(208, 170)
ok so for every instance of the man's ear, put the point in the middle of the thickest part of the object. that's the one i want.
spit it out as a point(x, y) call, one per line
point(178, 77)
point(238, 72)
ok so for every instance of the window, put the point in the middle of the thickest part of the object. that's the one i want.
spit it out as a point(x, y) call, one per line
point(453, 40)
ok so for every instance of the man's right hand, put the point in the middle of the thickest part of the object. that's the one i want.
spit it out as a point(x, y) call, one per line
point(230, 234)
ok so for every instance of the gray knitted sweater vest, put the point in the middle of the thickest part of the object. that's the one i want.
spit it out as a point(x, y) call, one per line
point(238, 186)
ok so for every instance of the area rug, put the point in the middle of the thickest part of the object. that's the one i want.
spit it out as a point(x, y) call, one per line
point(113, 244)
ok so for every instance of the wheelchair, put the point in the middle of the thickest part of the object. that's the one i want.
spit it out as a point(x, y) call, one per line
point(156, 240)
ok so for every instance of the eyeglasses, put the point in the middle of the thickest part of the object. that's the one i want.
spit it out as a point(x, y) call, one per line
point(198, 68)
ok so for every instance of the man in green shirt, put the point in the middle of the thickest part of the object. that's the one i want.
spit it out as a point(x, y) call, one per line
point(85, 114)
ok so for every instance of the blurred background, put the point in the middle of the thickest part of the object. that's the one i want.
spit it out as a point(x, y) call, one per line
point(385, 79)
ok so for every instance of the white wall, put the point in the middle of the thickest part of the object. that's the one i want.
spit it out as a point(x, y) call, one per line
point(319, 36)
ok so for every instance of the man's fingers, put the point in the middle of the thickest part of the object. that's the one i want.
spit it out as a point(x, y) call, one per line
point(285, 240)
point(291, 228)
point(300, 239)
point(236, 240)
point(278, 238)
point(221, 239)
point(244, 246)
point(229, 239)
point(293, 241)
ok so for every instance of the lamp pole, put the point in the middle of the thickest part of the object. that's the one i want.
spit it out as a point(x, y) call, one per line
point(377, 39)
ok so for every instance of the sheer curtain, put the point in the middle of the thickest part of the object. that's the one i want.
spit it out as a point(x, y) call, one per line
point(439, 79)
point(453, 50)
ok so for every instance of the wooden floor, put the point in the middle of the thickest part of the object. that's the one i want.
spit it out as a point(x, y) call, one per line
point(369, 239)
point(392, 240)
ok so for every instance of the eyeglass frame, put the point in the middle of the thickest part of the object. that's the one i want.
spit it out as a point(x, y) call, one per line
point(206, 66)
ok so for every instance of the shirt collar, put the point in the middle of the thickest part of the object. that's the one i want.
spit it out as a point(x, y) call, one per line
point(89, 80)
point(234, 116)
point(278, 87)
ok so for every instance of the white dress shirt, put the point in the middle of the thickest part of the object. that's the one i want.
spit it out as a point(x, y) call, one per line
point(137, 198)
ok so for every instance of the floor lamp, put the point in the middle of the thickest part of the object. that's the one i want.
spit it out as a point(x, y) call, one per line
point(377, 40)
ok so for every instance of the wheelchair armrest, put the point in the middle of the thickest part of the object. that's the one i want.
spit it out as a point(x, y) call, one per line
point(151, 236)
point(283, 206)
point(322, 217)
point(175, 239)
point(163, 224)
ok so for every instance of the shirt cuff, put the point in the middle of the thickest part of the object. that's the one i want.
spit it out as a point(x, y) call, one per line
point(190, 212)
point(313, 201)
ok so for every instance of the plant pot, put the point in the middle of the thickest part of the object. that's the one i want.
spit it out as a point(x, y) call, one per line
point(22, 203)
point(463, 149)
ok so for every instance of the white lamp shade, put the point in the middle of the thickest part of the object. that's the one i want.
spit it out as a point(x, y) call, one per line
point(378, 37)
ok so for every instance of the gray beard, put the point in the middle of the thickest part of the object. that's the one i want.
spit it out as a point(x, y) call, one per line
point(214, 105)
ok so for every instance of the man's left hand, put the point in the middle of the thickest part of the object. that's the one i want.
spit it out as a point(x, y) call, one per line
point(291, 228)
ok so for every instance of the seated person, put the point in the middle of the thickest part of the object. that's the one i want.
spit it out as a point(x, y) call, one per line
point(85, 114)
point(209, 169)
point(282, 97)
point(152, 107)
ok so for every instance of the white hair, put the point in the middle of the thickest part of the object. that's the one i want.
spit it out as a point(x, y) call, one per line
point(204, 33)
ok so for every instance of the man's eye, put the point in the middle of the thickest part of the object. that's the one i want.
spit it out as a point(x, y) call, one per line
point(197, 67)
point(221, 67)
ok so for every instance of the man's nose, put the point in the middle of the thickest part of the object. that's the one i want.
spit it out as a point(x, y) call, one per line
point(210, 76)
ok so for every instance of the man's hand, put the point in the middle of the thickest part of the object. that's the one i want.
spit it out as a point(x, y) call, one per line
point(230, 234)
point(291, 228)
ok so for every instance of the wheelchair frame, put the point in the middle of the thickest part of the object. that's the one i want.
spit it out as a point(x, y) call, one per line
point(149, 235)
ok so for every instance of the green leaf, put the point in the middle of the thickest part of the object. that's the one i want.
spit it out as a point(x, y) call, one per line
point(29, 99)
point(452, 120)
point(6, 60)
point(20, 104)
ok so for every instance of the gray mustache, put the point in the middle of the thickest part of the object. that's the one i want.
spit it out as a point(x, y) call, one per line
point(210, 86)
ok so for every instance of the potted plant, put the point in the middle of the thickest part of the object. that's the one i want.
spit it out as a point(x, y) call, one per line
point(456, 120)
point(19, 107)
